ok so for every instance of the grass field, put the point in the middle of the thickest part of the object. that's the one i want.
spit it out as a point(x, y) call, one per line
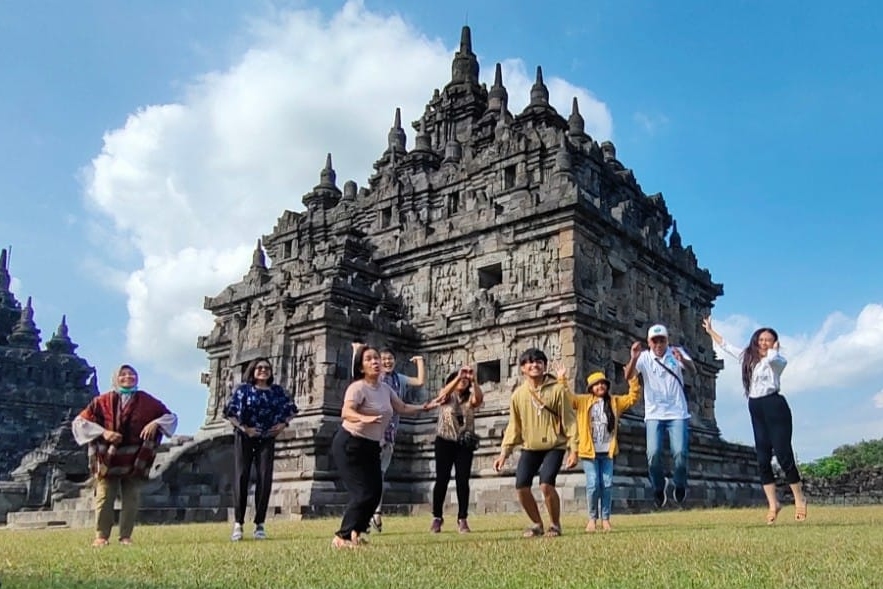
point(837, 547)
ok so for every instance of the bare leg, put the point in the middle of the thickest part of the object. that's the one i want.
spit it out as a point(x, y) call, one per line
point(553, 503)
point(529, 504)
point(799, 501)
point(770, 492)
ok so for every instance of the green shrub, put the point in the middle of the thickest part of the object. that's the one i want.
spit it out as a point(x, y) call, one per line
point(824, 468)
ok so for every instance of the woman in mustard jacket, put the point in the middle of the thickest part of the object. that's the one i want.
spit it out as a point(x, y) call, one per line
point(597, 418)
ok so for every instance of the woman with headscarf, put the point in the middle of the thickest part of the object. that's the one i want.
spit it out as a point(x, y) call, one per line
point(123, 428)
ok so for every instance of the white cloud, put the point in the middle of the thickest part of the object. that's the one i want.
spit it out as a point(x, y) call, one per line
point(650, 123)
point(189, 186)
point(878, 400)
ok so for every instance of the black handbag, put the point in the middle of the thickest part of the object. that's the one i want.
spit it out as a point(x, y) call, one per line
point(469, 440)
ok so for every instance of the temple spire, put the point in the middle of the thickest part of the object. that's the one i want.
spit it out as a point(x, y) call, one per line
point(539, 94)
point(258, 259)
point(396, 138)
point(61, 342)
point(5, 281)
point(25, 334)
point(328, 177)
point(674, 239)
point(464, 69)
point(576, 123)
point(423, 141)
point(497, 93)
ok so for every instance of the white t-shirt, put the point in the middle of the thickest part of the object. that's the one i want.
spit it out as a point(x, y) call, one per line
point(664, 396)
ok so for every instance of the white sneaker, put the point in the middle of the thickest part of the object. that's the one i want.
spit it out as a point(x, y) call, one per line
point(259, 532)
point(236, 536)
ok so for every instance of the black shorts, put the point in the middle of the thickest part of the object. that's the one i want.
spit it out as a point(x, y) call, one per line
point(546, 462)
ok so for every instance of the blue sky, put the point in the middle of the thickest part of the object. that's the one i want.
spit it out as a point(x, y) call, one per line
point(145, 146)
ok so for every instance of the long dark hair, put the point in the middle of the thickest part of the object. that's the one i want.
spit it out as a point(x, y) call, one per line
point(465, 394)
point(751, 355)
point(608, 406)
point(249, 372)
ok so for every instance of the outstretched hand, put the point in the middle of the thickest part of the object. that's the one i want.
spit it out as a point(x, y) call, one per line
point(560, 369)
point(706, 325)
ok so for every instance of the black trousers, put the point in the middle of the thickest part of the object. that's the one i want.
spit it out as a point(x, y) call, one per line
point(450, 454)
point(358, 465)
point(772, 424)
point(248, 451)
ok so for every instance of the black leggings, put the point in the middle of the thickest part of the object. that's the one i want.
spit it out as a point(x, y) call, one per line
point(771, 421)
point(248, 451)
point(450, 454)
point(358, 465)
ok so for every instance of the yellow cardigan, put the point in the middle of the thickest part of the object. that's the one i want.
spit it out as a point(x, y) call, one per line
point(583, 406)
point(536, 429)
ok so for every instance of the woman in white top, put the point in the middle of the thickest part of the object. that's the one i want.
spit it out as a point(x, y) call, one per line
point(762, 367)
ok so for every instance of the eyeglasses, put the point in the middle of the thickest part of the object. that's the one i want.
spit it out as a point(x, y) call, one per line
point(262, 367)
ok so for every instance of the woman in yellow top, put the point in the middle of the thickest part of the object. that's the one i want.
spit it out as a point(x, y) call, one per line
point(597, 419)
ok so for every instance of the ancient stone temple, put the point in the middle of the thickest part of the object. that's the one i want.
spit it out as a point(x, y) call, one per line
point(40, 389)
point(489, 233)
point(493, 232)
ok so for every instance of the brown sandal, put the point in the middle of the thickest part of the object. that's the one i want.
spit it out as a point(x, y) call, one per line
point(554, 531)
point(99, 542)
point(800, 512)
point(534, 531)
point(772, 514)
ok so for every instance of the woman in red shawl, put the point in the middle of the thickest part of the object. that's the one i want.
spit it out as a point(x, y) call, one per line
point(123, 428)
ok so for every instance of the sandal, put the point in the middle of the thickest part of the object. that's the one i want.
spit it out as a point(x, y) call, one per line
point(126, 541)
point(534, 531)
point(554, 531)
point(800, 512)
point(605, 525)
point(99, 542)
point(338, 542)
point(772, 514)
point(591, 526)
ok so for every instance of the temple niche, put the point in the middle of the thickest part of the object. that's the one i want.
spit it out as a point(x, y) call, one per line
point(493, 232)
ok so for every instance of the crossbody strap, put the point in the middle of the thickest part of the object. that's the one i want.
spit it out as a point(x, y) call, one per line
point(540, 402)
point(673, 373)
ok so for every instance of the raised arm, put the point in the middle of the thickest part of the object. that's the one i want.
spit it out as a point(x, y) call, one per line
point(403, 408)
point(420, 379)
point(719, 339)
point(634, 354)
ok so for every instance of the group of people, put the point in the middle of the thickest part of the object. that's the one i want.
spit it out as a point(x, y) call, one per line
point(553, 427)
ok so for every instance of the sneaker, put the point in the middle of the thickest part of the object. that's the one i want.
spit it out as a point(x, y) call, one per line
point(462, 526)
point(437, 522)
point(259, 532)
point(376, 522)
point(236, 536)
point(680, 495)
point(126, 541)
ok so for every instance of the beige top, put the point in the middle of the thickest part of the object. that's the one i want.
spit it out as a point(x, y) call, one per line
point(369, 400)
point(454, 417)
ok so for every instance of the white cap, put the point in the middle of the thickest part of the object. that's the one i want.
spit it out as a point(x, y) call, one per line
point(657, 331)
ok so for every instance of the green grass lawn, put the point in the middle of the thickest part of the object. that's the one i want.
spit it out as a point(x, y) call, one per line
point(837, 547)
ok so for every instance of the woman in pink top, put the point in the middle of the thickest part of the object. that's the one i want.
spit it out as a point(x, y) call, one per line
point(368, 406)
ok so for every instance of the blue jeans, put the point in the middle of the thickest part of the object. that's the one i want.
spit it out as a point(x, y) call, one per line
point(599, 480)
point(679, 442)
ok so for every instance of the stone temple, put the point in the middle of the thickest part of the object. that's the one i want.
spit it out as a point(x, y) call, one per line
point(492, 232)
point(40, 389)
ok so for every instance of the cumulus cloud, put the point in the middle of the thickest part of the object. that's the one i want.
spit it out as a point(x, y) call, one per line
point(188, 186)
